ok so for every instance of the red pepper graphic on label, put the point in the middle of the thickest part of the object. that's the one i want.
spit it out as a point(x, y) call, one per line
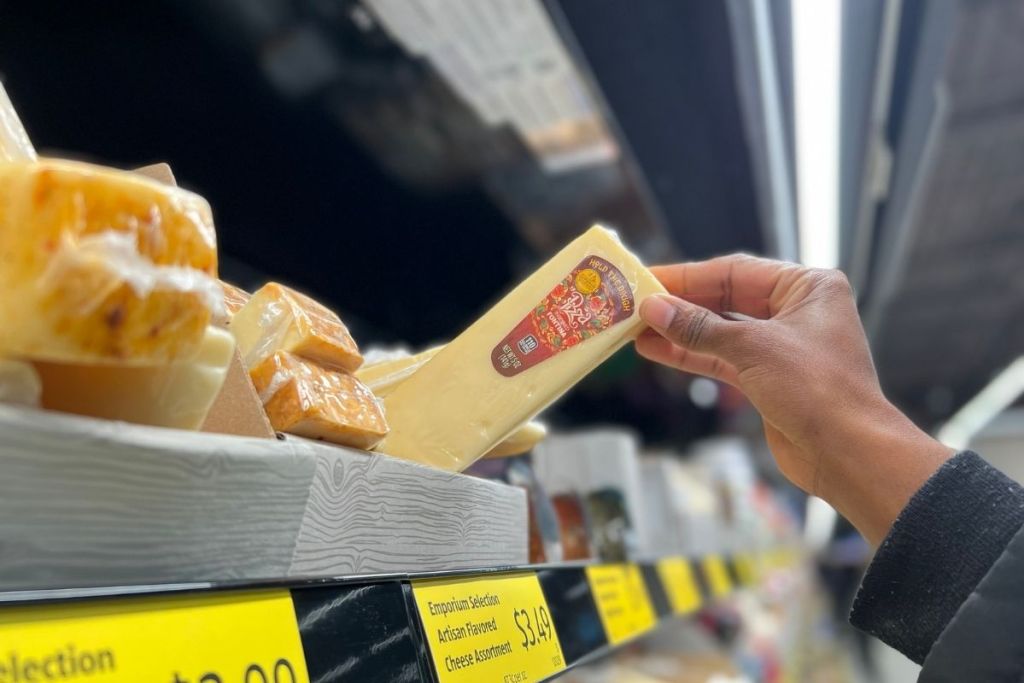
point(589, 300)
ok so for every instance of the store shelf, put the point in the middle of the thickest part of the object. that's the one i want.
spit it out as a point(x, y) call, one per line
point(359, 629)
point(88, 502)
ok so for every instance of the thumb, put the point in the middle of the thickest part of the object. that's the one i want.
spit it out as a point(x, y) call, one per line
point(692, 327)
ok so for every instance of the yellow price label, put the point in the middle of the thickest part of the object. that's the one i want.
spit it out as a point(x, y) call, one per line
point(489, 628)
point(745, 569)
point(717, 575)
point(680, 584)
point(247, 637)
point(622, 600)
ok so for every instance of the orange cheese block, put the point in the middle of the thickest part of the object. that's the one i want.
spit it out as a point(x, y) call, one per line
point(102, 265)
point(305, 399)
point(277, 318)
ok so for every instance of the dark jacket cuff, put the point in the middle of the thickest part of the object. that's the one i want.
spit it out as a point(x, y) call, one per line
point(941, 546)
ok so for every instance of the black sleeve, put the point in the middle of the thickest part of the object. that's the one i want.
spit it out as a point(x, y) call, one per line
point(941, 546)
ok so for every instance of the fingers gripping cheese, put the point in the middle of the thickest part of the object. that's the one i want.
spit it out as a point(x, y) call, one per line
point(543, 337)
point(278, 318)
point(302, 398)
point(102, 265)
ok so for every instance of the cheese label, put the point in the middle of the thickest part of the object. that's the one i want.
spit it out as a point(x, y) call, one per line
point(594, 296)
point(240, 637)
point(622, 600)
point(489, 628)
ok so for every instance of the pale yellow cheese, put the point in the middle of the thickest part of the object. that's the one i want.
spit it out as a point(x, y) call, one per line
point(19, 382)
point(520, 441)
point(177, 394)
point(459, 405)
point(278, 318)
point(102, 266)
point(383, 377)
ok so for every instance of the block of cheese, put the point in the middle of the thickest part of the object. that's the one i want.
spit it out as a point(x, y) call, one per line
point(19, 383)
point(305, 399)
point(277, 318)
point(383, 377)
point(177, 394)
point(102, 266)
point(529, 349)
point(235, 298)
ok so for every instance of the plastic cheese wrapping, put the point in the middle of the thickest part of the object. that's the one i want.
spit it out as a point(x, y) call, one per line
point(529, 349)
point(14, 142)
point(305, 399)
point(102, 266)
point(177, 394)
point(278, 318)
point(235, 298)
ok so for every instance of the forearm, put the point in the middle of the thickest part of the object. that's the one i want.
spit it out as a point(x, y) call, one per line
point(878, 460)
point(940, 547)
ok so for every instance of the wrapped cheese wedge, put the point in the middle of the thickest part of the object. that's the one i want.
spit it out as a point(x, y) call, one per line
point(19, 383)
point(177, 394)
point(277, 318)
point(235, 298)
point(302, 398)
point(102, 266)
point(529, 349)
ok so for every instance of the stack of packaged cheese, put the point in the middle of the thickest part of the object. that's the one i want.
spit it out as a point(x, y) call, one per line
point(300, 357)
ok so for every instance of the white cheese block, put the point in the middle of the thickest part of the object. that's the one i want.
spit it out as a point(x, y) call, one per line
point(520, 356)
point(177, 394)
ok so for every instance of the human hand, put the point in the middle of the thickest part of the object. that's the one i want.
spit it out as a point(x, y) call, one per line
point(800, 355)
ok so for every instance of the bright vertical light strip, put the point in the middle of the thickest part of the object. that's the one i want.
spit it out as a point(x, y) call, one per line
point(816, 49)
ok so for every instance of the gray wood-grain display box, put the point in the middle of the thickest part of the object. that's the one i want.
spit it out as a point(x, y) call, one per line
point(88, 502)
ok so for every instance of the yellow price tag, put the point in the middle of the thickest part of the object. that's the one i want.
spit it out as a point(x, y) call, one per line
point(717, 575)
point(247, 637)
point(680, 584)
point(745, 569)
point(622, 600)
point(489, 628)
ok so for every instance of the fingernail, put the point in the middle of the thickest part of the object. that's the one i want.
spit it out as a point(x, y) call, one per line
point(658, 311)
